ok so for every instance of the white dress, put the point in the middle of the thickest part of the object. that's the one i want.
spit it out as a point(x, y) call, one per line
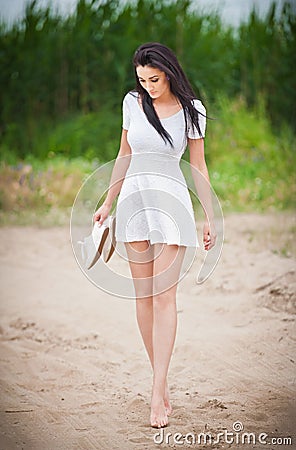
point(154, 202)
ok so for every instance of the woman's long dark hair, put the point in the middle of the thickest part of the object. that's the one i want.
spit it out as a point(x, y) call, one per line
point(154, 54)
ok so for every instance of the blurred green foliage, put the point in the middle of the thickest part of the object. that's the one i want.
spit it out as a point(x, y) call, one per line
point(251, 168)
point(63, 79)
point(53, 67)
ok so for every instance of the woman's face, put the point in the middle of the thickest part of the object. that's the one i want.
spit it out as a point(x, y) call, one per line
point(153, 80)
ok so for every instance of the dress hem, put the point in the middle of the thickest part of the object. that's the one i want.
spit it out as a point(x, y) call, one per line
point(162, 242)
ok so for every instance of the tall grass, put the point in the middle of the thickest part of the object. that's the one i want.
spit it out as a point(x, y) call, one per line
point(54, 67)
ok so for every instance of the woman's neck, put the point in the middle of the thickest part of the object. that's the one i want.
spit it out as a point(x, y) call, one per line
point(167, 98)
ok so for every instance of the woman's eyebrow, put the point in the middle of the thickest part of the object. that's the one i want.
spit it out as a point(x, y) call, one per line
point(153, 76)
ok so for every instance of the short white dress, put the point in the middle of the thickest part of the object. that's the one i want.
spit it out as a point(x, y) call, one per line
point(154, 202)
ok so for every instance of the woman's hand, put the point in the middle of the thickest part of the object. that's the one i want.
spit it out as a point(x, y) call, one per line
point(209, 235)
point(102, 213)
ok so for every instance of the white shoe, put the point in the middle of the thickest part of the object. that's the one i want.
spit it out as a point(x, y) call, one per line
point(109, 247)
point(92, 245)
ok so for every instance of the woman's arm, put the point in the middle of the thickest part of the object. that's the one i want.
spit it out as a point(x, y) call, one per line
point(202, 183)
point(118, 174)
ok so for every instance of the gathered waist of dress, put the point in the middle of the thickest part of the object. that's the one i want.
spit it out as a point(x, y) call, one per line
point(153, 162)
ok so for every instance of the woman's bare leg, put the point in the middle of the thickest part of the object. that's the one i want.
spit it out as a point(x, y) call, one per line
point(140, 257)
point(167, 266)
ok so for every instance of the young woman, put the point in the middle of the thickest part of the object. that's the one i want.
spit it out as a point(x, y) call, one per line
point(154, 215)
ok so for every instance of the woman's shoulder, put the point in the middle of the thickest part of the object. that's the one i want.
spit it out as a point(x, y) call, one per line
point(130, 97)
point(199, 105)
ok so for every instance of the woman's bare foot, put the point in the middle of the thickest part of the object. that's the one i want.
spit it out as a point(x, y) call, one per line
point(166, 399)
point(158, 416)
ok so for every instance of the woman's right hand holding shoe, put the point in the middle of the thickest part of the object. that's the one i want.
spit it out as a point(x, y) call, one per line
point(102, 213)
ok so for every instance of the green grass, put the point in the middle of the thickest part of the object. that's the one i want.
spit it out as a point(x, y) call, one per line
point(92, 136)
point(34, 185)
point(251, 168)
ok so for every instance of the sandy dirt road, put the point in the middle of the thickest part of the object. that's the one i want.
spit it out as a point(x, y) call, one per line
point(74, 372)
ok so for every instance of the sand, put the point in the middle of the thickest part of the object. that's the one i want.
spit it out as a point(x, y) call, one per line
point(74, 372)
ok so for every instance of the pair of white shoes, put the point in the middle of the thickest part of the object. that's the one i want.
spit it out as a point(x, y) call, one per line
point(101, 242)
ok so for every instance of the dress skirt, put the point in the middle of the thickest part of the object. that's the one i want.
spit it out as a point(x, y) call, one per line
point(154, 202)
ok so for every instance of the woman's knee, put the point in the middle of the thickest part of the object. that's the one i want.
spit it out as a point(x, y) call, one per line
point(165, 299)
point(144, 303)
point(143, 289)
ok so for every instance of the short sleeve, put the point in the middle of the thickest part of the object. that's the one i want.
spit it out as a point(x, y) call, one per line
point(192, 132)
point(125, 114)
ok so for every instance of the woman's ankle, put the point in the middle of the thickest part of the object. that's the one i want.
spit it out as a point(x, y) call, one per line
point(158, 389)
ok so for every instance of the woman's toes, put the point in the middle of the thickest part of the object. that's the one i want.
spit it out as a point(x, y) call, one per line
point(158, 417)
